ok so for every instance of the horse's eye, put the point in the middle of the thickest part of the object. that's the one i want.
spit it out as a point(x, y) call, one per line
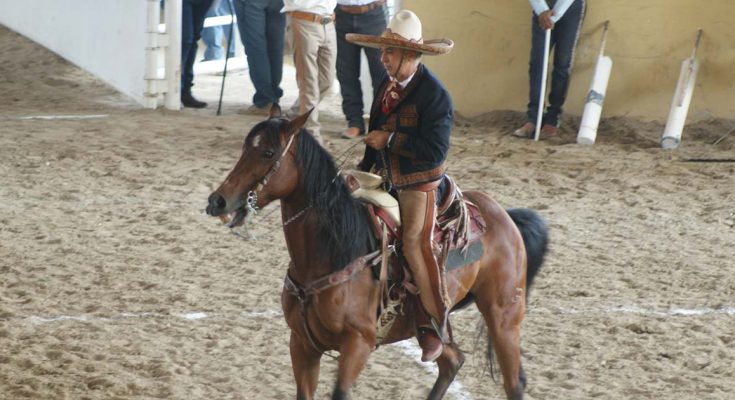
point(267, 154)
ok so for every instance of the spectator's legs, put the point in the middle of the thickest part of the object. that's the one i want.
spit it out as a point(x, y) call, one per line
point(535, 69)
point(252, 22)
point(565, 35)
point(312, 57)
point(327, 60)
point(224, 9)
point(188, 45)
point(348, 72)
point(349, 61)
point(275, 25)
point(212, 38)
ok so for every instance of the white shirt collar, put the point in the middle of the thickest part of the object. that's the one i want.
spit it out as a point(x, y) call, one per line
point(403, 83)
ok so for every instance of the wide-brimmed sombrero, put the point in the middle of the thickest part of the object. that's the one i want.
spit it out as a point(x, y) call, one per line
point(403, 32)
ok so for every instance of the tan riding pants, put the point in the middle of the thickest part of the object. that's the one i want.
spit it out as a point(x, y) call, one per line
point(418, 210)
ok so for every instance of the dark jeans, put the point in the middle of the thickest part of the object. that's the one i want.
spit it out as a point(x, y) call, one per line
point(563, 42)
point(262, 27)
point(372, 22)
point(193, 13)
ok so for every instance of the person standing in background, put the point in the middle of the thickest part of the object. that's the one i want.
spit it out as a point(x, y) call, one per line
point(364, 17)
point(193, 13)
point(564, 19)
point(262, 27)
point(315, 52)
point(214, 36)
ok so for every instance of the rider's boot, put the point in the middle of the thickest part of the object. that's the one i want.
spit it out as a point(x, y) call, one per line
point(431, 345)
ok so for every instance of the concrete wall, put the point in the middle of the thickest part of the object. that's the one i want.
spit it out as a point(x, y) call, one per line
point(647, 40)
point(104, 37)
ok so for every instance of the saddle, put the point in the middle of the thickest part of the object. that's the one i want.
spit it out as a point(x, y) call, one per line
point(457, 232)
point(458, 223)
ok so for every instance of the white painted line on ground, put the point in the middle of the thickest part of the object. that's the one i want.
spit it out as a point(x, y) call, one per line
point(194, 316)
point(679, 312)
point(672, 312)
point(43, 320)
point(53, 117)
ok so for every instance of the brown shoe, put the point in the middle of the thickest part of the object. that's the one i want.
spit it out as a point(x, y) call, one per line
point(526, 131)
point(430, 343)
point(351, 133)
point(548, 131)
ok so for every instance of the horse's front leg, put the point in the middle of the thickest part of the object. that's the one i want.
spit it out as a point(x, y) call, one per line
point(449, 363)
point(305, 363)
point(354, 353)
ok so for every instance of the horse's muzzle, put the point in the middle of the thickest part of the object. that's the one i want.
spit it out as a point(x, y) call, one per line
point(216, 205)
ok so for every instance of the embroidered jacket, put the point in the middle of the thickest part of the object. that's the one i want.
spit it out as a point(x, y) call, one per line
point(421, 122)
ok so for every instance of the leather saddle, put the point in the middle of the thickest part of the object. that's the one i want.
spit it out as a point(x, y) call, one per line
point(458, 226)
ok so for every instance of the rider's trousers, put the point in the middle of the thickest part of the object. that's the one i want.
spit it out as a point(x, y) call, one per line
point(418, 211)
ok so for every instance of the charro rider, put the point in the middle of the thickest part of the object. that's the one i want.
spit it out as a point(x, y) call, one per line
point(408, 141)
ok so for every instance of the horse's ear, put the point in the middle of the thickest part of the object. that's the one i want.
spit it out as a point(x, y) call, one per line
point(275, 111)
point(297, 123)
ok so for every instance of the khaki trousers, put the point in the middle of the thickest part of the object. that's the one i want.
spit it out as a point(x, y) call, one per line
point(418, 211)
point(315, 55)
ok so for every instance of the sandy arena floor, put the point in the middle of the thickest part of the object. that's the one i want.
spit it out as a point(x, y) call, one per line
point(114, 284)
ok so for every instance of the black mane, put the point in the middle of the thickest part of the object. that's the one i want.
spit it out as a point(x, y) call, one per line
point(343, 227)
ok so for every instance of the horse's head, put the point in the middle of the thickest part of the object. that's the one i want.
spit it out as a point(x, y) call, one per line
point(266, 170)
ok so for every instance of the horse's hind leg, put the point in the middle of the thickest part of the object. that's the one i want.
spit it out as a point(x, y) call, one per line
point(449, 364)
point(504, 328)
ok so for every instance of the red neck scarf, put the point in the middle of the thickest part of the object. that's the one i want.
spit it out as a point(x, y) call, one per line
point(390, 97)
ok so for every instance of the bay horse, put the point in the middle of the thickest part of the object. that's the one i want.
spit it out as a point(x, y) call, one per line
point(327, 230)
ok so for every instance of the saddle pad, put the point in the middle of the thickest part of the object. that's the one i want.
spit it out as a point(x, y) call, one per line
point(458, 258)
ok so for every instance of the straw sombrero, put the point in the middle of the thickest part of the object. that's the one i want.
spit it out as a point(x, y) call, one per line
point(403, 32)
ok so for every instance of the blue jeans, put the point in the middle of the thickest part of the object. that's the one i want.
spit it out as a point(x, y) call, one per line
point(193, 13)
point(372, 22)
point(213, 36)
point(563, 42)
point(262, 26)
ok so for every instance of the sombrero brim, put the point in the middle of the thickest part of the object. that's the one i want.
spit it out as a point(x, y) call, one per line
point(430, 47)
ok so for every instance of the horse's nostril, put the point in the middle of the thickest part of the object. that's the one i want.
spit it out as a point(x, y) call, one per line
point(217, 201)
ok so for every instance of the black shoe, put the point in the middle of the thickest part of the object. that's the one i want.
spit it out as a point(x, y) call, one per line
point(189, 101)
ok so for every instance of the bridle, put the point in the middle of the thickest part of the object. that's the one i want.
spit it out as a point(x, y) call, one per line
point(252, 196)
point(252, 200)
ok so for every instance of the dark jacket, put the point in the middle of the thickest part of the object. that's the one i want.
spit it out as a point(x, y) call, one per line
point(422, 123)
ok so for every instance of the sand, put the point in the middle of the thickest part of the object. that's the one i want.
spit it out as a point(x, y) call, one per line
point(114, 284)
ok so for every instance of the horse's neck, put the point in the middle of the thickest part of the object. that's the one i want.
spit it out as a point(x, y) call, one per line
point(303, 243)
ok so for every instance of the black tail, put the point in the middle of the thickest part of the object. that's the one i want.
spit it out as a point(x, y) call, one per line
point(535, 235)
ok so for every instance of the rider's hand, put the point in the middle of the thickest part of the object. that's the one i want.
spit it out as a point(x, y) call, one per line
point(377, 139)
point(545, 21)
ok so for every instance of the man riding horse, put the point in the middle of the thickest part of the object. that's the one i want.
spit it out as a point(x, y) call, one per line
point(408, 141)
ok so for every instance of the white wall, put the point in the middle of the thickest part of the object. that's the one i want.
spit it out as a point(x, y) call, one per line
point(104, 37)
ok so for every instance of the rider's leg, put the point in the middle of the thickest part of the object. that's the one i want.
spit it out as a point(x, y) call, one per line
point(418, 211)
